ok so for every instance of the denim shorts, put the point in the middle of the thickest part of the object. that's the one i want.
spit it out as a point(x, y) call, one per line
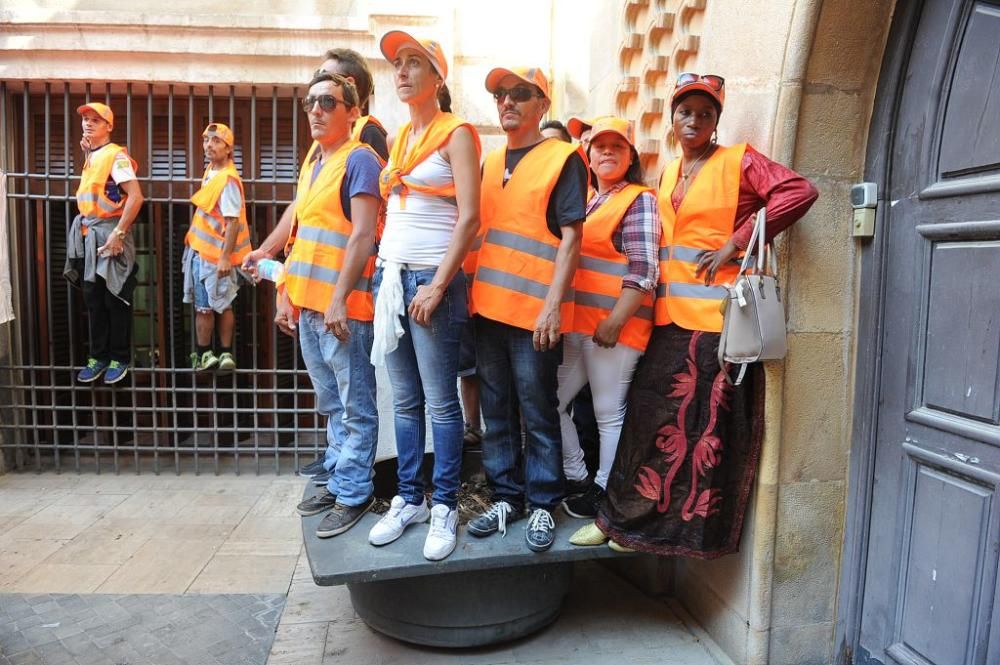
point(201, 301)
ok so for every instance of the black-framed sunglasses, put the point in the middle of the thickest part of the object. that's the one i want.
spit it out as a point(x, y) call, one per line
point(517, 94)
point(326, 102)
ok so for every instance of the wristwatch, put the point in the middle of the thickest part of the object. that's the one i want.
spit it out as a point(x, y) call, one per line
point(121, 234)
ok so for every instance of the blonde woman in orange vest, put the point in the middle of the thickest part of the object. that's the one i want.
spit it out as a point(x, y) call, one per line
point(613, 316)
point(533, 207)
point(325, 298)
point(690, 442)
point(217, 242)
point(351, 65)
point(431, 184)
point(100, 253)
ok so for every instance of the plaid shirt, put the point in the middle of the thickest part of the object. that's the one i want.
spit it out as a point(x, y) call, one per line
point(637, 237)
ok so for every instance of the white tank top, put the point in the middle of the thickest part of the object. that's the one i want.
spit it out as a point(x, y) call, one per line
point(422, 232)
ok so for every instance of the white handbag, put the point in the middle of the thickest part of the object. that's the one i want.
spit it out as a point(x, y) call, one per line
point(753, 315)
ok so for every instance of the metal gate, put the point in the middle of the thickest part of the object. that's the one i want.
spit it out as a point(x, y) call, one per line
point(166, 416)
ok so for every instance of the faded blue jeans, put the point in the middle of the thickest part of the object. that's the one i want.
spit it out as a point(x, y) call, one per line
point(424, 373)
point(344, 380)
point(516, 380)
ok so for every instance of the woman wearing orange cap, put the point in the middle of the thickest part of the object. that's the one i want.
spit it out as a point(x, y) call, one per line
point(100, 253)
point(690, 442)
point(431, 183)
point(613, 315)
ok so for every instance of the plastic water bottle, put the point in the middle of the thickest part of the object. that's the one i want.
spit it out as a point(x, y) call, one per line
point(270, 269)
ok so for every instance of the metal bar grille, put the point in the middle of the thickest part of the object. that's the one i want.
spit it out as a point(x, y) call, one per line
point(166, 416)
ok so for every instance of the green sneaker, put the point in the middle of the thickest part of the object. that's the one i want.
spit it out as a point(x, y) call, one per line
point(208, 361)
point(226, 362)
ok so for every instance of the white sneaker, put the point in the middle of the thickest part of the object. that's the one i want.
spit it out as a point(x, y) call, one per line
point(441, 539)
point(401, 515)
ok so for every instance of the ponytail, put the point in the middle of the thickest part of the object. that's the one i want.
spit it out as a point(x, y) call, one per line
point(444, 98)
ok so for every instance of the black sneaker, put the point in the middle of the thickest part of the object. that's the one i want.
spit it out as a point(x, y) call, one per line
point(585, 505)
point(342, 518)
point(312, 468)
point(321, 479)
point(473, 436)
point(575, 487)
point(315, 505)
point(495, 519)
point(540, 531)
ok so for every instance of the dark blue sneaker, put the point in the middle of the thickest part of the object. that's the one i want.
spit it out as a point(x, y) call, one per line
point(540, 531)
point(116, 372)
point(92, 372)
point(313, 468)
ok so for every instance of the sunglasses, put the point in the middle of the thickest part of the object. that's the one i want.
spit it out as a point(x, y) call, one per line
point(517, 94)
point(713, 81)
point(326, 102)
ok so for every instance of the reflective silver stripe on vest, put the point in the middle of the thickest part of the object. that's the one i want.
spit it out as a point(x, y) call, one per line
point(215, 242)
point(476, 244)
point(198, 212)
point(603, 266)
point(607, 303)
point(517, 283)
point(243, 245)
point(681, 253)
point(101, 203)
point(680, 290)
point(521, 244)
point(321, 274)
point(323, 236)
point(686, 254)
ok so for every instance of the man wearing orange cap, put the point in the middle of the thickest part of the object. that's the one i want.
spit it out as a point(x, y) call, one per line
point(217, 241)
point(100, 251)
point(533, 204)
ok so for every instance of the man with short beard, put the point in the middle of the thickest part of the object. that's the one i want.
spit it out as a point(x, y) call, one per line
point(325, 298)
point(533, 204)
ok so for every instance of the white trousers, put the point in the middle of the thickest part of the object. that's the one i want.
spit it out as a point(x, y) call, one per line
point(609, 372)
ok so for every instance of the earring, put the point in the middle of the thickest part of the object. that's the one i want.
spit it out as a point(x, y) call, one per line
point(715, 136)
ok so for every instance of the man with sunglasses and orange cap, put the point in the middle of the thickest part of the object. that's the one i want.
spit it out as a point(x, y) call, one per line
point(354, 67)
point(100, 251)
point(325, 297)
point(534, 195)
point(217, 241)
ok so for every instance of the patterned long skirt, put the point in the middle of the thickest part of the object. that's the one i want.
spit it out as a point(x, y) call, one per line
point(688, 451)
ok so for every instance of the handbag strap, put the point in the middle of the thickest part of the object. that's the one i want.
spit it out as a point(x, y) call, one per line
point(766, 263)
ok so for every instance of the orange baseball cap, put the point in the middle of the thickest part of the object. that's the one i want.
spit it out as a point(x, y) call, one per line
point(610, 123)
point(577, 126)
point(220, 130)
point(100, 109)
point(531, 75)
point(394, 40)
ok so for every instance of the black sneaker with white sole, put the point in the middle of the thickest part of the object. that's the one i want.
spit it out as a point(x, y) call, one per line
point(585, 505)
point(342, 518)
point(540, 531)
point(495, 519)
point(312, 468)
point(315, 505)
point(321, 479)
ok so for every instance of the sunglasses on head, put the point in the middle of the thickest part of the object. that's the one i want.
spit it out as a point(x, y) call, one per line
point(711, 80)
point(326, 102)
point(518, 94)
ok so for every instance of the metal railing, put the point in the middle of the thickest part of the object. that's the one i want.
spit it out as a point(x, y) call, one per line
point(166, 416)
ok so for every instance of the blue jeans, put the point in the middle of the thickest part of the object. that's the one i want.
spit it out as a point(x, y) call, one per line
point(344, 380)
point(423, 371)
point(516, 380)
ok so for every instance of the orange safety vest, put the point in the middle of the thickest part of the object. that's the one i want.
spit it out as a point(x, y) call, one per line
point(90, 196)
point(207, 234)
point(313, 267)
point(598, 282)
point(704, 222)
point(403, 158)
point(361, 123)
point(517, 257)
